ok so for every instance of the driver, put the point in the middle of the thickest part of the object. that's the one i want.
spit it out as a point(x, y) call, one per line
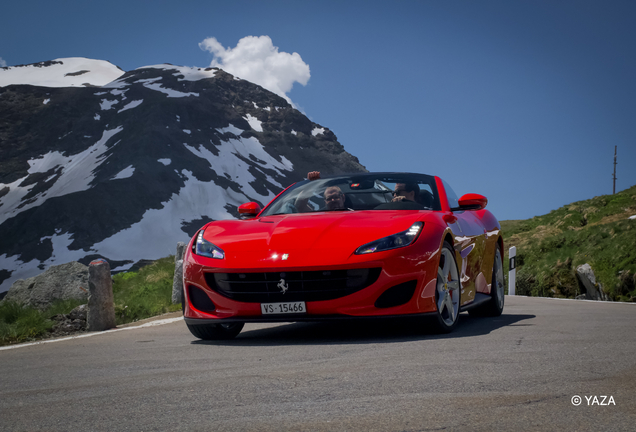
point(405, 192)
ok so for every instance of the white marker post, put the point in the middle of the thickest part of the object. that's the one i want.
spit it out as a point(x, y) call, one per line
point(512, 270)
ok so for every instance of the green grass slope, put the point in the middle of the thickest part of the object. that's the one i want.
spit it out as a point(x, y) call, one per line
point(597, 231)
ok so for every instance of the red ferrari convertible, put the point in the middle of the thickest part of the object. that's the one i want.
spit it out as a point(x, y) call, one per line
point(347, 247)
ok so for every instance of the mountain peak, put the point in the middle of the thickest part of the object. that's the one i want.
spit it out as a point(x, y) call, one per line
point(126, 170)
point(62, 72)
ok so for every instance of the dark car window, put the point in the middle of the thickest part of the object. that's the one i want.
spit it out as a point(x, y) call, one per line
point(372, 191)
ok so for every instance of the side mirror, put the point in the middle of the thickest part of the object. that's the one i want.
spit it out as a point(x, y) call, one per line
point(249, 210)
point(472, 201)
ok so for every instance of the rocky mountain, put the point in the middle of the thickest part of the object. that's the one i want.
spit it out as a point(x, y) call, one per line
point(125, 170)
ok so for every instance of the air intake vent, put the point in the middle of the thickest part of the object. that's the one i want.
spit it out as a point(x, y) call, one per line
point(396, 295)
point(200, 299)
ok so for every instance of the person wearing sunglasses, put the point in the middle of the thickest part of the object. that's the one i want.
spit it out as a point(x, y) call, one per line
point(405, 192)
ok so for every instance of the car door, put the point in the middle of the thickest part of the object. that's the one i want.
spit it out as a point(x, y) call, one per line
point(470, 242)
point(472, 250)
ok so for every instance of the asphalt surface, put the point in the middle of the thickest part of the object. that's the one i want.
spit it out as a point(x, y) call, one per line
point(516, 372)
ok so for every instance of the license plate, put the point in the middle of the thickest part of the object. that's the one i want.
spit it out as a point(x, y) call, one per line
point(283, 308)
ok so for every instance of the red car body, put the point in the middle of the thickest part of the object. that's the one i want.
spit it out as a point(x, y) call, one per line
point(317, 253)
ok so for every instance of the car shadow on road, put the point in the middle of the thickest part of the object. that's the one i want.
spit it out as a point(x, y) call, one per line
point(367, 331)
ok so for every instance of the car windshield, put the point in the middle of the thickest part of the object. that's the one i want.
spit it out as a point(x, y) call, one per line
point(372, 191)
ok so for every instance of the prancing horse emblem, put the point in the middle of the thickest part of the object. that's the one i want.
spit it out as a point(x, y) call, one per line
point(283, 286)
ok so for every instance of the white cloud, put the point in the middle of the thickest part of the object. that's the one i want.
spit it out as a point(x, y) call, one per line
point(3, 63)
point(256, 59)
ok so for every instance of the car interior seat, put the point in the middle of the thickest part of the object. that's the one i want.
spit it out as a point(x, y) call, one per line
point(426, 199)
point(347, 202)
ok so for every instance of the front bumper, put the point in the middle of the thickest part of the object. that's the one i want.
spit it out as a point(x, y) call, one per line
point(301, 318)
point(395, 272)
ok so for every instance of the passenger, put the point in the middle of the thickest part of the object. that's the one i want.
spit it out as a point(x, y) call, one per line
point(406, 192)
point(334, 197)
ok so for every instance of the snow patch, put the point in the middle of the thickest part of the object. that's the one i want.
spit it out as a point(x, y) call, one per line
point(119, 93)
point(255, 123)
point(148, 237)
point(106, 104)
point(318, 131)
point(62, 72)
point(97, 117)
point(78, 171)
point(187, 131)
point(166, 162)
point(125, 173)
point(229, 164)
point(293, 132)
point(45, 101)
point(231, 129)
point(169, 92)
point(130, 105)
point(147, 80)
point(185, 73)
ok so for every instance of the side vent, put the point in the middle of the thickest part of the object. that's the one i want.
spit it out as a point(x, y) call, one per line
point(200, 299)
point(396, 295)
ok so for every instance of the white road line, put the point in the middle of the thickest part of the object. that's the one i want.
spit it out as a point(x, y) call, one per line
point(148, 324)
point(574, 300)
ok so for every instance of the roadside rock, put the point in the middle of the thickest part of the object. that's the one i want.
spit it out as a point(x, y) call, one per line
point(73, 322)
point(626, 283)
point(61, 282)
point(587, 281)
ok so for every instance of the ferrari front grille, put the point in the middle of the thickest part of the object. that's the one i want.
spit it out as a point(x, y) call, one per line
point(291, 286)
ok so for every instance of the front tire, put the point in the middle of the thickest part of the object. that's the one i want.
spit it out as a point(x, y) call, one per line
point(216, 331)
point(447, 291)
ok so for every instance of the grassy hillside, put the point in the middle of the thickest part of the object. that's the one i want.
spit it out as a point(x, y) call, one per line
point(596, 231)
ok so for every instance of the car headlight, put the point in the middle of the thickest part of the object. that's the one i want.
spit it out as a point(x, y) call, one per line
point(205, 248)
point(394, 241)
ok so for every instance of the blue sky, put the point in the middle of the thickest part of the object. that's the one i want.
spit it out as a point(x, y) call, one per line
point(521, 101)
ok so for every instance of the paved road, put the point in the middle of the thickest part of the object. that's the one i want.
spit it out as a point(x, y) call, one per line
point(516, 372)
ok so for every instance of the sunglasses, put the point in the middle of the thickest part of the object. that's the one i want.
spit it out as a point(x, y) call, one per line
point(397, 192)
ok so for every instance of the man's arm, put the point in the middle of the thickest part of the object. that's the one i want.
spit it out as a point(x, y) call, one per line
point(313, 175)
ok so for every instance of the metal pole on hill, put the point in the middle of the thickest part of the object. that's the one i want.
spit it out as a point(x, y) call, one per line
point(614, 190)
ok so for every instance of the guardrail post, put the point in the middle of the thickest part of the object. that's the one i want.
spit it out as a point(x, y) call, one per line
point(512, 270)
point(101, 309)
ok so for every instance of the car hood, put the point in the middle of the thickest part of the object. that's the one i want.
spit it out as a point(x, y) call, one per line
point(310, 239)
